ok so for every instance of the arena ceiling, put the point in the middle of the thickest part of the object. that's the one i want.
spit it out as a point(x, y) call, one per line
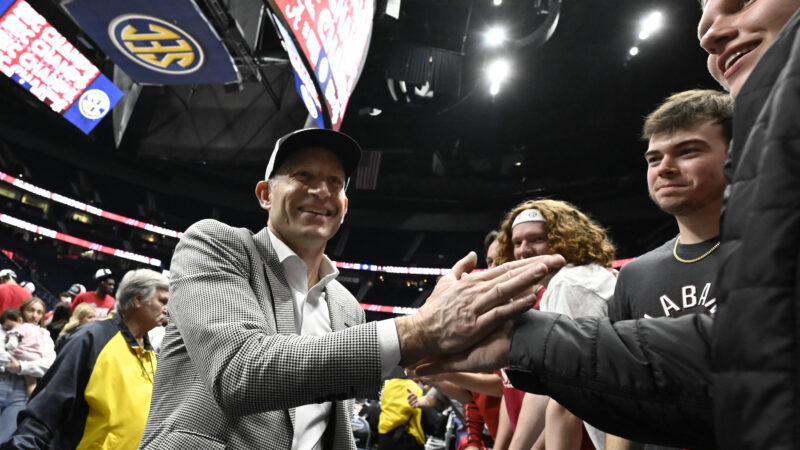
point(565, 124)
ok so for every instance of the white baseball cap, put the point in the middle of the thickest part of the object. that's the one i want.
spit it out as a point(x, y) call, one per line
point(102, 274)
point(8, 273)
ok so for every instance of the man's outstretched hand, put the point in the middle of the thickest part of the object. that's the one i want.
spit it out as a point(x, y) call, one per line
point(466, 308)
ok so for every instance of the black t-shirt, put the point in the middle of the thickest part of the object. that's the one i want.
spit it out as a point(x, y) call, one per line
point(657, 285)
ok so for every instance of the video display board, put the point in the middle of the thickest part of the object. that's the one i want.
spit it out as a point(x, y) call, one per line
point(41, 60)
point(332, 36)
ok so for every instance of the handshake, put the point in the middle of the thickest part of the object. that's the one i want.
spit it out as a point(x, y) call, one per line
point(465, 325)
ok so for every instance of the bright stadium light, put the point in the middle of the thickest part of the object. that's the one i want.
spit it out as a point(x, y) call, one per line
point(497, 72)
point(497, 2)
point(495, 36)
point(650, 24)
point(633, 51)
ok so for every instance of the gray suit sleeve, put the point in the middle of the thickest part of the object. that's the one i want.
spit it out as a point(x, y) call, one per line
point(648, 380)
point(229, 331)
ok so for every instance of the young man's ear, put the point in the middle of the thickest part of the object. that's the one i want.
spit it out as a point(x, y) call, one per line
point(262, 193)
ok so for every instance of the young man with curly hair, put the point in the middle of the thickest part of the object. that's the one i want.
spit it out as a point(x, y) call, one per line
point(544, 227)
point(581, 288)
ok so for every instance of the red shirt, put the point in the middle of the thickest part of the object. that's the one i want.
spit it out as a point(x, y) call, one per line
point(103, 305)
point(482, 409)
point(12, 295)
point(513, 399)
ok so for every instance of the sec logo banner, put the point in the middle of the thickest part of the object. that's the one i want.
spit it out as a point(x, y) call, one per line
point(156, 44)
point(94, 104)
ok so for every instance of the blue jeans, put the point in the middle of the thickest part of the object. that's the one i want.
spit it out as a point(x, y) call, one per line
point(13, 396)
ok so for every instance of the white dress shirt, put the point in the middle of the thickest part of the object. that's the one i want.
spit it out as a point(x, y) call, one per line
point(312, 318)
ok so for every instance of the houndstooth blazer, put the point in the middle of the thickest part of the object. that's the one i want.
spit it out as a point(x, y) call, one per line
point(232, 367)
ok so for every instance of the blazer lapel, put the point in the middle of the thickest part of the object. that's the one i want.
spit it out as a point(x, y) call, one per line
point(335, 310)
point(341, 317)
point(282, 304)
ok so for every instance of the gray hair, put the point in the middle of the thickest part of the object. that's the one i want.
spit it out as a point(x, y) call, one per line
point(142, 282)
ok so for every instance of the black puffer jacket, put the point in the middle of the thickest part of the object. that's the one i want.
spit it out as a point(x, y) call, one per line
point(755, 340)
point(651, 380)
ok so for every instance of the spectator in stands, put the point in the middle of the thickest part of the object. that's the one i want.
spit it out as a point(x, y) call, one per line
point(688, 141)
point(400, 424)
point(12, 381)
point(64, 298)
point(75, 290)
point(59, 318)
point(101, 296)
point(32, 311)
point(83, 314)
point(98, 393)
point(11, 294)
point(581, 288)
point(69, 295)
point(24, 341)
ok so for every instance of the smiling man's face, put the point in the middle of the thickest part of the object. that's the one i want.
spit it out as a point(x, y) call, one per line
point(736, 33)
point(684, 168)
point(306, 198)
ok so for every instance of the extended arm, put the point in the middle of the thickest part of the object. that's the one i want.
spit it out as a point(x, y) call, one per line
point(639, 379)
point(482, 383)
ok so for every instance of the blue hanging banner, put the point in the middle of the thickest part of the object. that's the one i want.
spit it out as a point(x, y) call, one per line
point(157, 42)
point(42, 61)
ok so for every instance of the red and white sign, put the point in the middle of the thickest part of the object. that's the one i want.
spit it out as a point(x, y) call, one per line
point(87, 208)
point(37, 56)
point(334, 36)
point(52, 234)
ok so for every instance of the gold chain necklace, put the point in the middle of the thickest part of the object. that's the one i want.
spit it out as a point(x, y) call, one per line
point(689, 261)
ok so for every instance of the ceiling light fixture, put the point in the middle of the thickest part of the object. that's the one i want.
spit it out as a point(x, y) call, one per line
point(650, 24)
point(497, 71)
point(495, 36)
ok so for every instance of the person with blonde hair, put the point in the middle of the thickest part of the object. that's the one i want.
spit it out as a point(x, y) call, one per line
point(32, 311)
point(13, 371)
point(84, 313)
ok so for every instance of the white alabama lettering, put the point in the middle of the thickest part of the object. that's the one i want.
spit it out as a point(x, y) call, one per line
point(668, 305)
point(689, 296)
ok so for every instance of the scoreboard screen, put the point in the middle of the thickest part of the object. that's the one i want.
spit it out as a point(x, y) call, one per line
point(37, 57)
point(326, 39)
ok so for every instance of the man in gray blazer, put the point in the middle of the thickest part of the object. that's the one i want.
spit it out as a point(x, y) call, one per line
point(265, 348)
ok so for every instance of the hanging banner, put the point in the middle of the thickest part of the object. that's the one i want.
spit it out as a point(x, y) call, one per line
point(42, 61)
point(332, 36)
point(157, 42)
